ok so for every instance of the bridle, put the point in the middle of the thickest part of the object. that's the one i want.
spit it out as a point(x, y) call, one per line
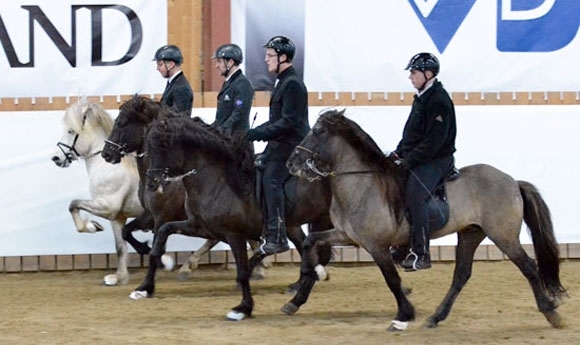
point(164, 176)
point(311, 165)
point(122, 149)
point(70, 152)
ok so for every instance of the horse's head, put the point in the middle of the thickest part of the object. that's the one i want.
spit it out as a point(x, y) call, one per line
point(165, 156)
point(311, 158)
point(85, 125)
point(128, 133)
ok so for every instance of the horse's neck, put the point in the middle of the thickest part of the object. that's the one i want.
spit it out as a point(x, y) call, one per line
point(143, 164)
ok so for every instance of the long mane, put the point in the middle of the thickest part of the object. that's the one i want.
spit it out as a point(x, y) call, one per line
point(234, 152)
point(142, 109)
point(337, 124)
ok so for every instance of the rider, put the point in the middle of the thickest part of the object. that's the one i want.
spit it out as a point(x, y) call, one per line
point(425, 151)
point(234, 100)
point(178, 95)
point(286, 127)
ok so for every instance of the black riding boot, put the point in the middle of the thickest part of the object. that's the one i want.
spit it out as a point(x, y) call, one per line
point(418, 257)
point(275, 237)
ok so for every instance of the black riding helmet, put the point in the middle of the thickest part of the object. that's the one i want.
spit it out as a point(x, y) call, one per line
point(282, 45)
point(424, 62)
point(229, 51)
point(169, 53)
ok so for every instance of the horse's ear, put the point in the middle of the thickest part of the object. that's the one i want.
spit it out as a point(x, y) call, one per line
point(341, 112)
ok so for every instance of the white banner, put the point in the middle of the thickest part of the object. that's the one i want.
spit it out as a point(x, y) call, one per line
point(487, 46)
point(80, 47)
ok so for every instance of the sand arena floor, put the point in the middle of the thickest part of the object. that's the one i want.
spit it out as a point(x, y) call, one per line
point(353, 307)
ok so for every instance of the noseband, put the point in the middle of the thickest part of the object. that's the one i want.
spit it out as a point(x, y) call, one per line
point(68, 150)
point(311, 165)
point(122, 149)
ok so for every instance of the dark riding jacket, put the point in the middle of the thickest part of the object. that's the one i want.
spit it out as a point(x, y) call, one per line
point(288, 122)
point(178, 95)
point(234, 103)
point(430, 130)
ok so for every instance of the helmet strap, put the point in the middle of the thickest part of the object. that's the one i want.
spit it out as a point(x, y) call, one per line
point(168, 70)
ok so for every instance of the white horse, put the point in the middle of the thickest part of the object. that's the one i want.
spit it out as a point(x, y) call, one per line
point(113, 189)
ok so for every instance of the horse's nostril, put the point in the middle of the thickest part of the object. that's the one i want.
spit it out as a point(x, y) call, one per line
point(55, 159)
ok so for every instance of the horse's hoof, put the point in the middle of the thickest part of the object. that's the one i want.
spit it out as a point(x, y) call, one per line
point(168, 262)
point(430, 323)
point(110, 280)
point(321, 272)
point(136, 295)
point(289, 309)
point(95, 227)
point(235, 316)
point(554, 319)
point(183, 276)
point(397, 326)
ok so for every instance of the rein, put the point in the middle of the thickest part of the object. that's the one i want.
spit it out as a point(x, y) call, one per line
point(311, 165)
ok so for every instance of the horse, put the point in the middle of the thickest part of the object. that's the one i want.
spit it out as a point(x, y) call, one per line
point(367, 210)
point(113, 190)
point(218, 174)
point(128, 138)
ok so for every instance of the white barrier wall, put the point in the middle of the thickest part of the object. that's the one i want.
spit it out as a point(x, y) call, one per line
point(539, 144)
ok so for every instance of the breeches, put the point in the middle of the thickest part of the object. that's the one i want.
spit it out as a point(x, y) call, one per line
point(273, 178)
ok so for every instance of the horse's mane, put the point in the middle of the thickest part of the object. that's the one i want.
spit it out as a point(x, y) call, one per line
point(88, 117)
point(144, 110)
point(338, 124)
point(235, 152)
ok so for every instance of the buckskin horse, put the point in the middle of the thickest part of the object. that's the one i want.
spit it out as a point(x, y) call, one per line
point(367, 210)
point(219, 177)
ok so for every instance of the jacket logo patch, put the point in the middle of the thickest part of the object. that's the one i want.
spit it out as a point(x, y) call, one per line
point(439, 118)
point(239, 102)
point(227, 98)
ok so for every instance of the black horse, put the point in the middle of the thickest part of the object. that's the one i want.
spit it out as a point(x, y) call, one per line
point(219, 177)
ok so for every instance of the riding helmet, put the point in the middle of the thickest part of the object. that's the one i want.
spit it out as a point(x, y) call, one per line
point(229, 51)
point(282, 45)
point(424, 62)
point(169, 53)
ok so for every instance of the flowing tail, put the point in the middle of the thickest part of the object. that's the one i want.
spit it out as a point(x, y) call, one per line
point(538, 219)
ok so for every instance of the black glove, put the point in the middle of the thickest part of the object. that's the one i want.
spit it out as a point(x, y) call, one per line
point(251, 135)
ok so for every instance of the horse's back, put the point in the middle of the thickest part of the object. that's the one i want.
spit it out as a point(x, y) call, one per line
point(483, 196)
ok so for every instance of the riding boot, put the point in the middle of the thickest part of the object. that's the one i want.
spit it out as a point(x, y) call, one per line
point(418, 257)
point(275, 237)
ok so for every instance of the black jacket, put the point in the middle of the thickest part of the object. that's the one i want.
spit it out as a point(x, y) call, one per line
point(288, 122)
point(234, 102)
point(178, 95)
point(430, 129)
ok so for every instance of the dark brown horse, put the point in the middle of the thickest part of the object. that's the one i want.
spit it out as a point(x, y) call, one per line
point(128, 138)
point(367, 210)
point(219, 177)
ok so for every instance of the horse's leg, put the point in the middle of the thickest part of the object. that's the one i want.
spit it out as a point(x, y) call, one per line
point(239, 250)
point(193, 260)
point(405, 311)
point(122, 274)
point(259, 272)
point(308, 273)
point(546, 305)
point(467, 243)
point(143, 222)
point(147, 288)
point(90, 206)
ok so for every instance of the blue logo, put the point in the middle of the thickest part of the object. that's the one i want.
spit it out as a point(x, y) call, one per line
point(536, 25)
point(441, 18)
point(522, 25)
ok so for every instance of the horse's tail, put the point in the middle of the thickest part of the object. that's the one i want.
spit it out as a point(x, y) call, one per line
point(539, 221)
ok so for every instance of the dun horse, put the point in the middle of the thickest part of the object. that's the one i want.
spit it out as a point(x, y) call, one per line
point(128, 138)
point(367, 211)
point(113, 190)
point(219, 179)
